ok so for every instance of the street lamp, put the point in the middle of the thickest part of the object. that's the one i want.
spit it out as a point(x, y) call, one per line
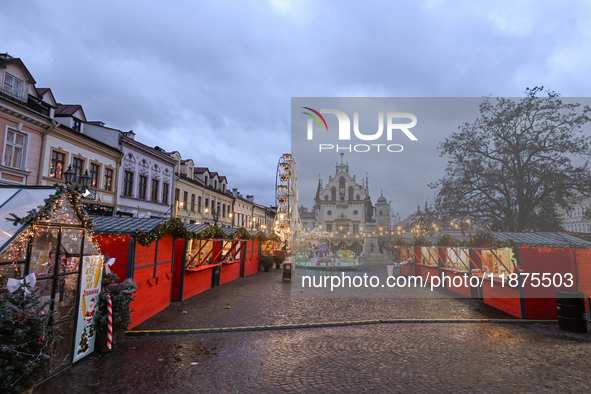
point(469, 226)
point(216, 216)
point(69, 178)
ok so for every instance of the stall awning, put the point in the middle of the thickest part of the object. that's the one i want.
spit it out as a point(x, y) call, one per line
point(543, 239)
point(120, 225)
point(196, 227)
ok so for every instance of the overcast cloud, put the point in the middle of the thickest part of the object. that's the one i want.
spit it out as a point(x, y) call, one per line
point(214, 79)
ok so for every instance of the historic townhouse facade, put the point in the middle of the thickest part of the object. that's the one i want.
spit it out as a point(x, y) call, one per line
point(575, 219)
point(251, 215)
point(243, 207)
point(26, 117)
point(188, 192)
point(146, 180)
point(218, 203)
point(67, 148)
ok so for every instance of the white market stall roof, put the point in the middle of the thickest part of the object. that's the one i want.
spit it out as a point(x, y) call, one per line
point(544, 239)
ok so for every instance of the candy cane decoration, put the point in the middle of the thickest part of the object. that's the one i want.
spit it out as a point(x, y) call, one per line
point(109, 323)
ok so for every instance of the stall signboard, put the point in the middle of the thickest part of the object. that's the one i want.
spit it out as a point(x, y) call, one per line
point(92, 269)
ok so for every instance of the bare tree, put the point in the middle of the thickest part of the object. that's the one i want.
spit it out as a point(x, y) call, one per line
point(511, 167)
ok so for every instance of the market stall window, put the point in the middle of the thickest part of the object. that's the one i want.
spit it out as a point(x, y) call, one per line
point(498, 261)
point(429, 256)
point(457, 258)
point(197, 251)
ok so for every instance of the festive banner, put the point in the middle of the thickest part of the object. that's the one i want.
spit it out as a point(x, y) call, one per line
point(92, 270)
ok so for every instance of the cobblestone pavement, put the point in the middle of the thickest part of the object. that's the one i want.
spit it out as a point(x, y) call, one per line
point(409, 357)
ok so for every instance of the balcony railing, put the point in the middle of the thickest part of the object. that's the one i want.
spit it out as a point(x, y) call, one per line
point(13, 93)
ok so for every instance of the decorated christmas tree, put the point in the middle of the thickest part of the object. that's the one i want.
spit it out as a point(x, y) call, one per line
point(25, 340)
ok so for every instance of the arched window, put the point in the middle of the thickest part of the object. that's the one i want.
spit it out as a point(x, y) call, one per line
point(342, 183)
point(350, 193)
point(358, 197)
point(333, 194)
point(326, 198)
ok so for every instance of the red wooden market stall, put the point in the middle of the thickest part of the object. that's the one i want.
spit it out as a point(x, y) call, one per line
point(562, 261)
point(209, 257)
point(143, 249)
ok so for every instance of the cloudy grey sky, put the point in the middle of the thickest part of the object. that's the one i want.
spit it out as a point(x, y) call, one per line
point(214, 79)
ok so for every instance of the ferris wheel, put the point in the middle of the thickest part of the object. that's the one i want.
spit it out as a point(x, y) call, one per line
point(287, 221)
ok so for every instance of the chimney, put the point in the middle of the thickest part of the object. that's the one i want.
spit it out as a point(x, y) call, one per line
point(235, 192)
point(130, 134)
point(250, 198)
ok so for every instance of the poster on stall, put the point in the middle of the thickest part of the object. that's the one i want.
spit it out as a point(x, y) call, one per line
point(92, 270)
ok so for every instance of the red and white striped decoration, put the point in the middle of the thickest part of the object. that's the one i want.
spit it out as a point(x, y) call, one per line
point(109, 323)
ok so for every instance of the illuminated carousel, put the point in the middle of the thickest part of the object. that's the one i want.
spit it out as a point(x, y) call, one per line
point(315, 253)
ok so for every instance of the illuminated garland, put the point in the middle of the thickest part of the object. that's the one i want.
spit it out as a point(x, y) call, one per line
point(448, 239)
point(212, 232)
point(174, 226)
point(241, 233)
point(274, 237)
point(260, 236)
point(495, 242)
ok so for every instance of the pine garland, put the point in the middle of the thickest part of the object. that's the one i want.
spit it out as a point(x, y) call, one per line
point(274, 237)
point(241, 233)
point(174, 226)
point(447, 239)
point(212, 232)
point(260, 236)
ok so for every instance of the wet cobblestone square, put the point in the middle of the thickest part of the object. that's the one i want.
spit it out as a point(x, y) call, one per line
point(386, 357)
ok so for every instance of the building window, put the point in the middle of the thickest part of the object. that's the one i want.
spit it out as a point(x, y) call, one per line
point(177, 194)
point(94, 174)
point(14, 149)
point(128, 184)
point(193, 202)
point(76, 125)
point(77, 166)
point(165, 188)
point(186, 199)
point(333, 194)
point(350, 198)
point(219, 208)
point(206, 181)
point(199, 204)
point(224, 210)
point(329, 228)
point(154, 191)
point(355, 229)
point(108, 183)
point(13, 86)
point(206, 203)
point(215, 184)
point(143, 185)
point(56, 168)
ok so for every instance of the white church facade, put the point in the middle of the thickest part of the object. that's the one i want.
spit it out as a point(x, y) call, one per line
point(343, 208)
